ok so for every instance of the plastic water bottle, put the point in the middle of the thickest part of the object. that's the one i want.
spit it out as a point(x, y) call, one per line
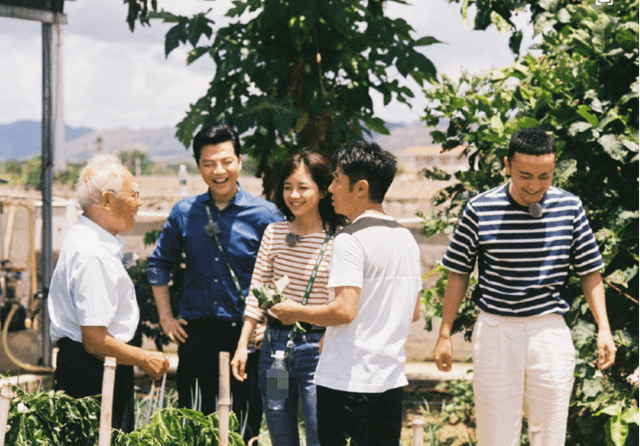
point(277, 383)
point(182, 176)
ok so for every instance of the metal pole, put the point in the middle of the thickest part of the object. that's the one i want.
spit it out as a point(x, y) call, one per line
point(50, 107)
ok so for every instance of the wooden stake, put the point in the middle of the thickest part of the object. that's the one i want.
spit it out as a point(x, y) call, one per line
point(5, 402)
point(418, 430)
point(106, 411)
point(224, 399)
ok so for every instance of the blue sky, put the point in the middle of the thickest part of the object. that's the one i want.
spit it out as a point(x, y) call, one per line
point(115, 78)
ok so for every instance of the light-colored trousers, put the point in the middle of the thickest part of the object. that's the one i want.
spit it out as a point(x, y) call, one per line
point(522, 366)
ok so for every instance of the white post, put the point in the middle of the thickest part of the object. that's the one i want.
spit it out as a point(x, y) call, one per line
point(5, 402)
point(106, 411)
point(418, 430)
point(224, 399)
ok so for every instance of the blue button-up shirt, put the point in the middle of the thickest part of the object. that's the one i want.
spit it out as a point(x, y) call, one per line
point(209, 291)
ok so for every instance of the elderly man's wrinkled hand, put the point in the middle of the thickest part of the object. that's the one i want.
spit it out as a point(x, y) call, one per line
point(156, 364)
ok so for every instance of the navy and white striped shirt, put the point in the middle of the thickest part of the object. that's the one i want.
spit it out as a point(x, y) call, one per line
point(524, 262)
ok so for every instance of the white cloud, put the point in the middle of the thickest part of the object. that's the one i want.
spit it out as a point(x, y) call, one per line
point(128, 84)
point(20, 78)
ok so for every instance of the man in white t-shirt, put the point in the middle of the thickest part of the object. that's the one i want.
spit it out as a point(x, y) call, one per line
point(375, 281)
point(92, 301)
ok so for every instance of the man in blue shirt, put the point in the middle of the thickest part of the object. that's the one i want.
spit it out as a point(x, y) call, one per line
point(219, 233)
point(526, 237)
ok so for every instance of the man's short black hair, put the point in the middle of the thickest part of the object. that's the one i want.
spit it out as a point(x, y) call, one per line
point(361, 160)
point(215, 134)
point(531, 141)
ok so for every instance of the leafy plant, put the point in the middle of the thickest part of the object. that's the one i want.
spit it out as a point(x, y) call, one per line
point(55, 419)
point(171, 426)
point(52, 419)
point(269, 296)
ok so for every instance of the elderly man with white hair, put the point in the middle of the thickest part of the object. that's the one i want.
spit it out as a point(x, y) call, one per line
point(92, 301)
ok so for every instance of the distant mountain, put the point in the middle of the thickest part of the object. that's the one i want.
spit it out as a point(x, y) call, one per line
point(404, 135)
point(21, 140)
point(160, 145)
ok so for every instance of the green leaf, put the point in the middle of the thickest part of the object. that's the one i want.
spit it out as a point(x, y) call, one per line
point(579, 127)
point(583, 333)
point(564, 16)
point(585, 112)
point(497, 125)
point(376, 124)
point(500, 23)
point(617, 431)
point(515, 41)
point(631, 415)
point(526, 122)
point(614, 147)
point(592, 387)
point(622, 277)
point(631, 145)
point(426, 41)
point(173, 38)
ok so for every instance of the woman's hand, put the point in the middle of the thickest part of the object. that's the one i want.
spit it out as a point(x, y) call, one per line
point(238, 364)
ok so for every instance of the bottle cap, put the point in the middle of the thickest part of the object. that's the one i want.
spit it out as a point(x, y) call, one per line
point(279, 354)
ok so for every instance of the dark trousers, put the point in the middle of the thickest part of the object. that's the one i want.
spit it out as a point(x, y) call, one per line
point(368, 419)
point(198, 360)
point(79, 374)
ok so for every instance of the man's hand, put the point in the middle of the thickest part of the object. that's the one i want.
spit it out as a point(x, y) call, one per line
point(443, 353)
point(238, 364)
point(606, 349)
point(155, 364)
point(286, 311)
point(173, 328)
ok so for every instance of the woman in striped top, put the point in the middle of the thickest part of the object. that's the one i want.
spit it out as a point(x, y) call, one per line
point(292, 248)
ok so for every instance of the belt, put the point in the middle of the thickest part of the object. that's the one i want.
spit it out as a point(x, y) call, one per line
point(308, 328)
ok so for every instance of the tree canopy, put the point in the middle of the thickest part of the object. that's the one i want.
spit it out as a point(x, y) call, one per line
point(293, 74)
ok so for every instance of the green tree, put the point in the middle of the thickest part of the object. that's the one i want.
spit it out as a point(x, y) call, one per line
point(129, 157)
point(70, 175)
point(292, 74)
point(31, 176)
point(583, 89)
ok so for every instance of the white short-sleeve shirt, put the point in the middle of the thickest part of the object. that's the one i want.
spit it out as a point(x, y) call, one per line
point(379, 256)
point(90, 286)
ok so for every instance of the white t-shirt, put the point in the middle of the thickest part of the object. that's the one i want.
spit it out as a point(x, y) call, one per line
point(90, 286)
point(379, 256)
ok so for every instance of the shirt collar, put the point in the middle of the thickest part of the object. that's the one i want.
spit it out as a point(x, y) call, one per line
point(239, 199)
point(374, 215)
point(114, 243)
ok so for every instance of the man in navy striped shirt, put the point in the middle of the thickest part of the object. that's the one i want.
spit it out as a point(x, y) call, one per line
point(526, 237)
